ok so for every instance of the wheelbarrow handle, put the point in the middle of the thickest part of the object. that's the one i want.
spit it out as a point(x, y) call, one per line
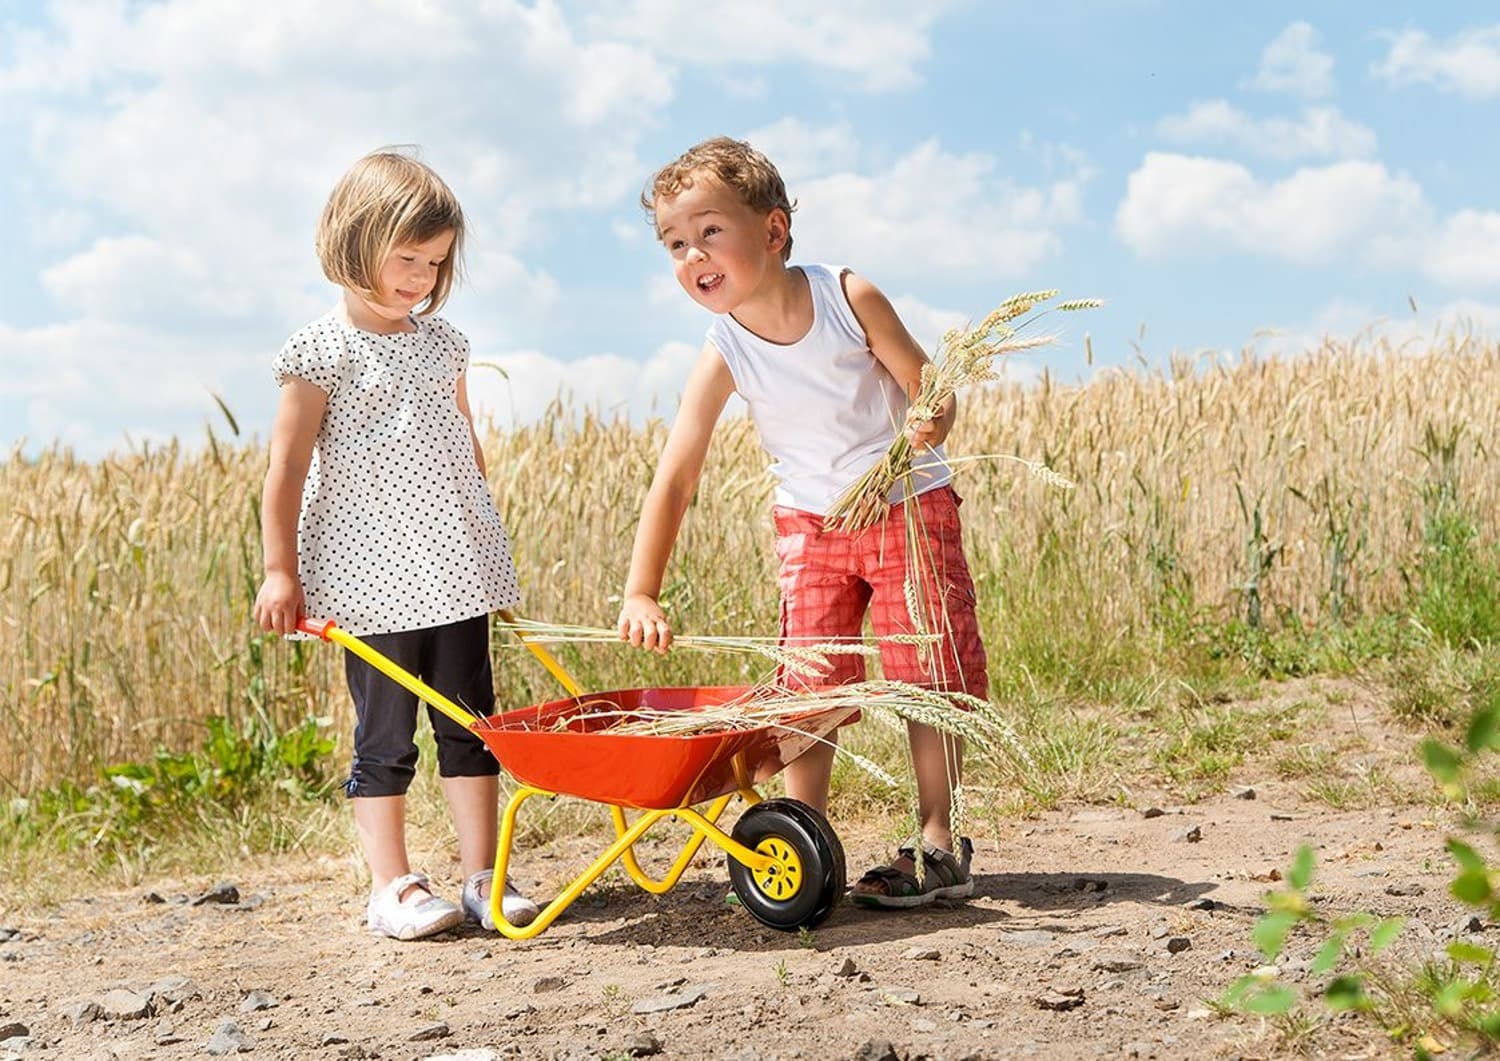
point(329, 630)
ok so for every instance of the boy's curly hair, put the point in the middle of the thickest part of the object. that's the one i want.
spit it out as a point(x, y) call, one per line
point(735, 164)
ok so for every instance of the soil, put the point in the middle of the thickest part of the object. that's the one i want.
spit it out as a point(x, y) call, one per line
point(1095, 931)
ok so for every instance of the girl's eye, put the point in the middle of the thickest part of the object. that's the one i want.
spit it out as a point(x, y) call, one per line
point(408, 257)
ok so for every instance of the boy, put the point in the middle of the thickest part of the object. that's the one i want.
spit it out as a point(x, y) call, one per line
point(827, 370)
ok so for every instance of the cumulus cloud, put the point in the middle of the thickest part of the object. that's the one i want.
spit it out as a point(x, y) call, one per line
point(1468, 63)
point(1293, 63)
point(1320, 132)
point(1465, 250)
point(932, 212)
point(1349, 321)
point(881, 42)
point(1181, 204)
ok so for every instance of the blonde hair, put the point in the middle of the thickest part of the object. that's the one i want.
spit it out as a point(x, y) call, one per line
point(387, 200)
point(736, 165)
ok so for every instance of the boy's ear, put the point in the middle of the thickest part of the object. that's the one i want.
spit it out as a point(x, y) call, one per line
point(777, 227)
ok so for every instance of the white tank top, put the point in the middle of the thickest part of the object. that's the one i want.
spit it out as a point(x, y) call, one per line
point(825, 408)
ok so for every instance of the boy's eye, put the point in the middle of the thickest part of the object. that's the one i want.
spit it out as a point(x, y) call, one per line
point(675, 245)
point(711, 230)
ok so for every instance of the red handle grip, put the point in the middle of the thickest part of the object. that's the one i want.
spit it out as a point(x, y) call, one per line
point(318, 628)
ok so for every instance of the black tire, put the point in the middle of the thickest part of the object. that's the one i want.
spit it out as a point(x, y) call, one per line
point(778, 900)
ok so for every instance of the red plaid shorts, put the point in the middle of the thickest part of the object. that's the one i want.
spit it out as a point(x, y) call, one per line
point(829, 579)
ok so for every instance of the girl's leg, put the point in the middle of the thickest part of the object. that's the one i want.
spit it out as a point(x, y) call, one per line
point(474, 804)
point(380, 822)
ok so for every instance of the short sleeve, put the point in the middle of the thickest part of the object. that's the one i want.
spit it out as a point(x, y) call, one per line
point(454, 343)
point(316, 354)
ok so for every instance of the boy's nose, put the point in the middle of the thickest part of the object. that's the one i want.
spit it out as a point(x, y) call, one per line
point(695, 254)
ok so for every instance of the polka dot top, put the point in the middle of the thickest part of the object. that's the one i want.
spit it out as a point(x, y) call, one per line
point(398, 530)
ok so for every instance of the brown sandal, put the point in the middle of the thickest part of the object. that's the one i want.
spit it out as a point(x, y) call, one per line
point(943, 877)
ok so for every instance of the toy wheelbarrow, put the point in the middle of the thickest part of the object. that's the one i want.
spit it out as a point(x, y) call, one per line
point(786, 864)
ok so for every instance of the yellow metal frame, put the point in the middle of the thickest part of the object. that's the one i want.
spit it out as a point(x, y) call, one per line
point(622, 850)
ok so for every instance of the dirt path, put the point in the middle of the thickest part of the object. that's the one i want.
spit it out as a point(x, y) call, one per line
point(1096, 932)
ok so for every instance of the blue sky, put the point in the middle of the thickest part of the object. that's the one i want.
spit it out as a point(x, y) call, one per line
point(1221, 175)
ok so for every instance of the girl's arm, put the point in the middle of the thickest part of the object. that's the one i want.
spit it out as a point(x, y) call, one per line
point(463, 407)
point(709, 385)
point(299, 413)
point(901, 355)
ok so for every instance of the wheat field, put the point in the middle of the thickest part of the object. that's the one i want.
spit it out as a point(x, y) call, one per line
point(1260, 489)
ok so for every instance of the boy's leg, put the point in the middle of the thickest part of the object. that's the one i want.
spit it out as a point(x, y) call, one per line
point(821, 599)
point(937, 760)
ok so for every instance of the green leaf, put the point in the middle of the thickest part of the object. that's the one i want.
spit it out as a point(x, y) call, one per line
point(1328, 955)
point(1300, 874)
point(1484, 729)
point(1460, 951)
point(1465, 856)
point(1442, 761)
point(1269, 933)
point(1472, 886)
point(1347, 992)
point(1273, 1001)
point(1450, 1000)
point(1385, 933)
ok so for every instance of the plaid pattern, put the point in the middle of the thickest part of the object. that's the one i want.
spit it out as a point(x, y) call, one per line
point(830, 579)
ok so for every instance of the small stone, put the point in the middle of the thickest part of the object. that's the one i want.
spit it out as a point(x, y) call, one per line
point(1152, 812)
point(1191, 835)
point(120, 1004)
point(1243, 792)
point(174, 990)
point(543, 984)
point(1203, 904)
point(1406, 888)
point(1178, 944)
point(153, 899)
point(901, 996)
point(688, 996)
point(332, 1039)
point(1167, 1004)
point(1056, 1000)
point(1105, 931)
point(877, 1050)
point(81, 1013)
point(643, 1044)
point(228, 1039)
point(1281, 818)
point(13, 1030)
point(846, 968)
point(429, 1032)
point(256, 1001)
point(1089, 884)
point(225, 894)
point(1116, 963)
point(1160, 932)
point(166, 1035)
point(922, 954)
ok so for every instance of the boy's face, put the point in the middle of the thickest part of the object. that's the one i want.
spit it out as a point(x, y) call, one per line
point(721, 249)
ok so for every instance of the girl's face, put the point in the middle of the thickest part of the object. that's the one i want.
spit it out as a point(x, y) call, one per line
point(407, 277)
point(721, 249)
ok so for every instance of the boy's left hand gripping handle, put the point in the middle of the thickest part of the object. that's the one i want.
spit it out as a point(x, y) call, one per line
point(316, 627)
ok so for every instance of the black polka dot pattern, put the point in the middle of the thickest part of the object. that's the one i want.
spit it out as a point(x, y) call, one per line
point(398, 529)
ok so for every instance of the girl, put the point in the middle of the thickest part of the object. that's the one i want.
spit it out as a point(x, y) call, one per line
point(376, 514)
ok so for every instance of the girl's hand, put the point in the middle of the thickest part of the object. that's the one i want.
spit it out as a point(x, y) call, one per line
point(279, 604)
point(644, 624)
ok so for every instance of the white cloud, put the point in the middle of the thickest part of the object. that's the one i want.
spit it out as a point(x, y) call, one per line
point(933, 213)
point(1348, 321)
point(1319, 132)
point(1293, 63)
point(880, 42)
point(529, 382)
point(1468, 63)
point(801, 151)
point(1179, 204)
point(1465, 251)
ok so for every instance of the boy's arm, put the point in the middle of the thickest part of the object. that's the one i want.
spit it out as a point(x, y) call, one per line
point(709, 385)
point(299, 413)
point(463, 407)
point(901, 355)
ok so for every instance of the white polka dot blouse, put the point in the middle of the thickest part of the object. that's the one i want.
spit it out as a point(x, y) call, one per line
point(398, 530)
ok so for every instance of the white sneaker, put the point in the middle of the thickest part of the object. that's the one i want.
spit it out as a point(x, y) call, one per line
point(422, 914)
point(518, 910)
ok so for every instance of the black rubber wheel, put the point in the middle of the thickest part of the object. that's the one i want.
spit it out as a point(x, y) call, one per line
point(808, 880)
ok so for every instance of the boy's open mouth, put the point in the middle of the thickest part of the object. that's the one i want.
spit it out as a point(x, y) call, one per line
point(709, 281)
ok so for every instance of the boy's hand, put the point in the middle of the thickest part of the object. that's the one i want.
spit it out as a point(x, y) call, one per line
point(644, 624)
point(928, 427)
point(279, 603)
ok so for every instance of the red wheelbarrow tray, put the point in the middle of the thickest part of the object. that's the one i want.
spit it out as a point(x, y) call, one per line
point(570, 747)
